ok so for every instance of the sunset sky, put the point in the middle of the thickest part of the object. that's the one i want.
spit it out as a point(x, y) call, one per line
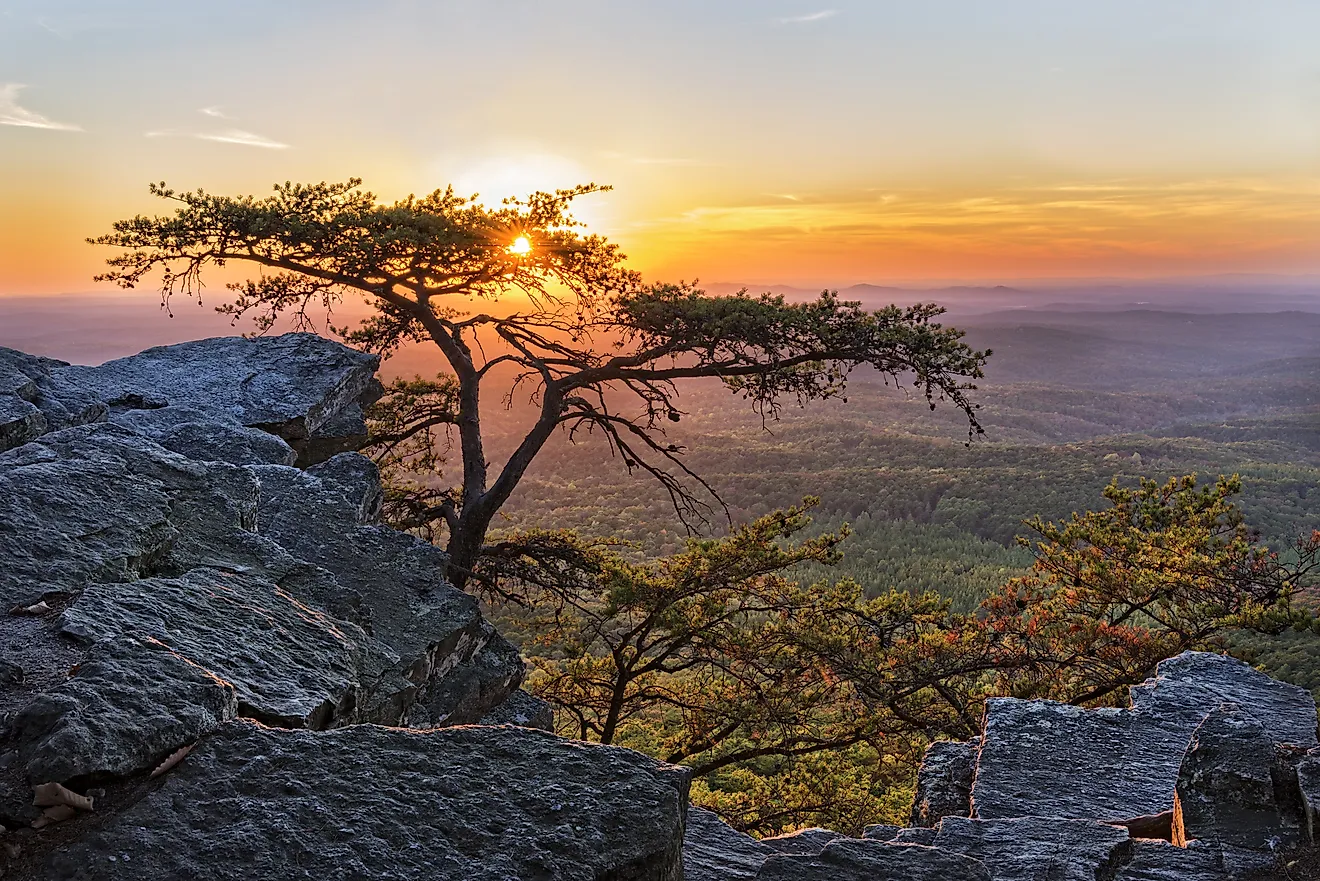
point(755, 142)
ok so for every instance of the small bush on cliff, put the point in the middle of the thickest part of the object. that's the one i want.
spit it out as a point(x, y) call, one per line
point(595, 348)
point(801, 704)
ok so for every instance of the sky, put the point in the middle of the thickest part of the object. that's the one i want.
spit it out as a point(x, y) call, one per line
point(809, 143)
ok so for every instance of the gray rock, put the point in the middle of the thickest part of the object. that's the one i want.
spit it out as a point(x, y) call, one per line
point(102, 503)
point(358, 479)
point(881, 832)
point(132, 702)
point(1121, 765)
point(1188, 687)
point(29, 404)
point(292, 385)
point(472, 688)
point(944, 782)
point(1162, 861)
point(1031, 848)
point(20, 421)
point(521, 708)
point(1229, 792)
point(207, 436)
point(430, 627)
point(481, 804)
point(915, 835)
point(290, 665)
point(1308, 785)
point(1041, 758)
point(853, 859)
point(715, 851)
point(345, 432)
point(807, 842)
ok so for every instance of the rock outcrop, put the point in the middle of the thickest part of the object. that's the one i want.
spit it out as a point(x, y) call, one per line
point(366, 802)
point(218, 663)
point(712, 851)
point(1121, 765)
point(1211, 774)
point(190, 555)
point(944, 783)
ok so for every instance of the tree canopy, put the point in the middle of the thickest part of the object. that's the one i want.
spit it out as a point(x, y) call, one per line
point(596, 349)
point(718, 658)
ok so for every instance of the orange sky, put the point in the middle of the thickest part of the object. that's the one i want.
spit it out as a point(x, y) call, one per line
point(757, 142)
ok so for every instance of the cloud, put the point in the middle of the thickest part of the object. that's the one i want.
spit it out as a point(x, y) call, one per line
point(809, 17)
point(12, 114)
point(246, 139)
point(214, 112)
point(229, 136)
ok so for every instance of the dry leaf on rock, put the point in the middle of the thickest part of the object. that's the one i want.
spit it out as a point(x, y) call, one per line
point(49, 795)
point(54, 814)
point(172, 759)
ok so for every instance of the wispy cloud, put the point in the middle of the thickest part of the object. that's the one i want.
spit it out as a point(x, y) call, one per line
point(246, 139)
point(228, 136)
point(12, 114)
point(214, 112)
point(809, 17)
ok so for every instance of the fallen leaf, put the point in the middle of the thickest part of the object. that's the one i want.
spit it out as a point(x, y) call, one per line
point(49, 795)
point(173, 759)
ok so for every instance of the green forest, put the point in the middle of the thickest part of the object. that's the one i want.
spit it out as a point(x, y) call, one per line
point(930, 511)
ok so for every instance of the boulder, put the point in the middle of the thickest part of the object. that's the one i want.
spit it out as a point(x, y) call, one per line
point(1161, 861)
point(290, 665)
point(102, 503)
point(852, 859)
point(1031, 848)
point(944, 782)
point(715, 851)
point(1042, 758)
point(1308, 785)
point(20, 421)
point(881, 832)
point(1233, 791)
point(207, 437)
point(30, 405)
point(1190, 686)
point(132, 702)
point(482, 804)
point(294, 385)
point(915, 835)
point(807, 842)
point(1121, 765)
point(396, 587)
point(473, 688)
point(521, 708)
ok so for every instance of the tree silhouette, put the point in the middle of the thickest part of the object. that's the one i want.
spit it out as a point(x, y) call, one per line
point(594, 347)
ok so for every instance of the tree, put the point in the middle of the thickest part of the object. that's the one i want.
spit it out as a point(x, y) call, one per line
point(1166, 568)
point(595, 349)
point(811, 703)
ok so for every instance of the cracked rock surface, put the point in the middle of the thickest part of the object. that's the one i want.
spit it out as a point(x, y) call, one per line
point(1121, 764)
point(849, 859)
point(365, 802)
point(178, 571)
point(133, 702)
point(293, 386)
point(714, 851)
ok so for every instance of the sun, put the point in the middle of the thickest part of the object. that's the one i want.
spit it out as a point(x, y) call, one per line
point(520, 246)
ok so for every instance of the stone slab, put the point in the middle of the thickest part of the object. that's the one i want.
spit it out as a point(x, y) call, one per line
point(481, 804)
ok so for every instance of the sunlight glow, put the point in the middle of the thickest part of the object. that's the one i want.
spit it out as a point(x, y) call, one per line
point(520, 246)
